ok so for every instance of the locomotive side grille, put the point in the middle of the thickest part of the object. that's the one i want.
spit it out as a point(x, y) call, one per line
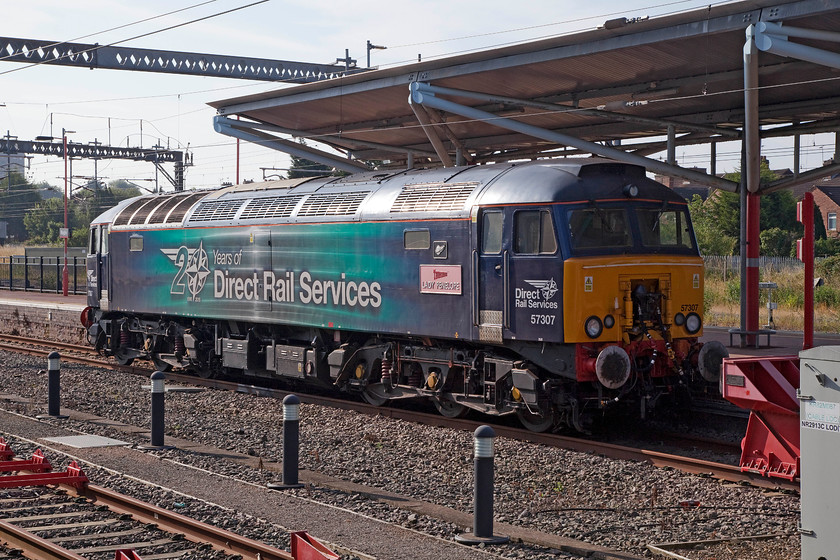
point(274, 207)
point(177, 214)
point(333, 204)
point(433, 197)
point(217, 210)
point(159, 214)
point(127, 212)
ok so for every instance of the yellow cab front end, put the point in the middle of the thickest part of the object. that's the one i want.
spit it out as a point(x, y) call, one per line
point(652, 310)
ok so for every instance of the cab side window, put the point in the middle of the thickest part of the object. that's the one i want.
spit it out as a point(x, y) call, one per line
point(491, 233)
point(94, 240)
point(533, 233)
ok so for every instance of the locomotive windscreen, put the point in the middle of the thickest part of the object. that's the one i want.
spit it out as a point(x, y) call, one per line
point(630, 229)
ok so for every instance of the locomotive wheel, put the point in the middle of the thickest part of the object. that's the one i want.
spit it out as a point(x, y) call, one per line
point(123, 358)
point(373, 398)
point(450, 409)
point(534, 422)
point(160, 365)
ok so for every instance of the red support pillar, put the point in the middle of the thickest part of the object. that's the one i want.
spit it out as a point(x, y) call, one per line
point(752, 256)
point(805, 252)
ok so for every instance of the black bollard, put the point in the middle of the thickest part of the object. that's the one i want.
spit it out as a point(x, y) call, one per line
point(483, 491)
point(158, 392)
point(53, 387)
point(291, 442)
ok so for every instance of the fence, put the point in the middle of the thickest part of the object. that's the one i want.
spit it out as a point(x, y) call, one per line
point(728, 265)
point(42, 274)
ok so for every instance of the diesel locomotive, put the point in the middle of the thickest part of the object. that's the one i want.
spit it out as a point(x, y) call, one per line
point(553, 289)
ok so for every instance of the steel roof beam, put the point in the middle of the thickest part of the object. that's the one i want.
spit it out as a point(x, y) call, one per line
point(772, 38)
point(85, 55)
point(333, 140)
point(230, 127)
point(431, 133)
point(421, 96)
point(600, 112)
point(440, 122)
point(803, 178)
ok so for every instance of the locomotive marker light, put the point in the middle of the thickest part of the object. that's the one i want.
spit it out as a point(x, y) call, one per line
point(158, 391)
point(631, 190)
point(54, 387)
point(291, 439)
point(483, 492)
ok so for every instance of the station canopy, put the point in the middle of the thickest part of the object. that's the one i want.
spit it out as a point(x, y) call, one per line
point(627, 90)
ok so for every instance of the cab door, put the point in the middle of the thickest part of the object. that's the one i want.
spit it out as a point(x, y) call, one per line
point(535, 276)
point(98, 268)
point(490, 276)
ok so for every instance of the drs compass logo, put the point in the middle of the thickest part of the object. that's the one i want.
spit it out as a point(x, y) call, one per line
point(547, 287)
point(192, 270)
point(540, 296)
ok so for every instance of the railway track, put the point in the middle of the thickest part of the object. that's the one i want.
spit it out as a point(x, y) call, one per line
point(71, 519)
point(693, 465)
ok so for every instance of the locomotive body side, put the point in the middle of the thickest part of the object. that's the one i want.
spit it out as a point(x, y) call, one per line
point(355, 276)
point(551, 290)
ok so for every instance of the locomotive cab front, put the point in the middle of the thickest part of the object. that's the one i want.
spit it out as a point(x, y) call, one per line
point(634, 296)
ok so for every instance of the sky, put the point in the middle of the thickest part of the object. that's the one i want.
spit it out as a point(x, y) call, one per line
point(142, 109)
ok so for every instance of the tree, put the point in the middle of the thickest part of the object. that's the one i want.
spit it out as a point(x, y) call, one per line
point(717, 221)
point(776, 242)
point(45, 220)
point(302, 167)
point(17, 196)
point(709, 236)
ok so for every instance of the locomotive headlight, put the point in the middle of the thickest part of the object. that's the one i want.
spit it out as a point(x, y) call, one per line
point(679, 319)
point(693, 323)
point(631, 190)
point(609, 321)
point(593, 327)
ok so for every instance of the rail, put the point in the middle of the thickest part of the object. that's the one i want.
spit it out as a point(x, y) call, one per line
point(42, 274)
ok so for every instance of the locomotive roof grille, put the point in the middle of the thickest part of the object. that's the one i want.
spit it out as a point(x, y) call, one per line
point(139, 217)
point(332, 204)
point(158, 215)
point(216, 211)
point(125, 216)
point(177, 214)
point(270, 207)
point(433, 197)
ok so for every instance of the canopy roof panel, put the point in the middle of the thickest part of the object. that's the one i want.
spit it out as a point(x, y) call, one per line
point(624, 83)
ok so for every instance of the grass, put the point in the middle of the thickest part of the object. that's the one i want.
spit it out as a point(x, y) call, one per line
point(11, 250)
point(722, 301)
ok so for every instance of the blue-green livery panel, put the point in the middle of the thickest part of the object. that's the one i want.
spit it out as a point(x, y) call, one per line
point(354, 276)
